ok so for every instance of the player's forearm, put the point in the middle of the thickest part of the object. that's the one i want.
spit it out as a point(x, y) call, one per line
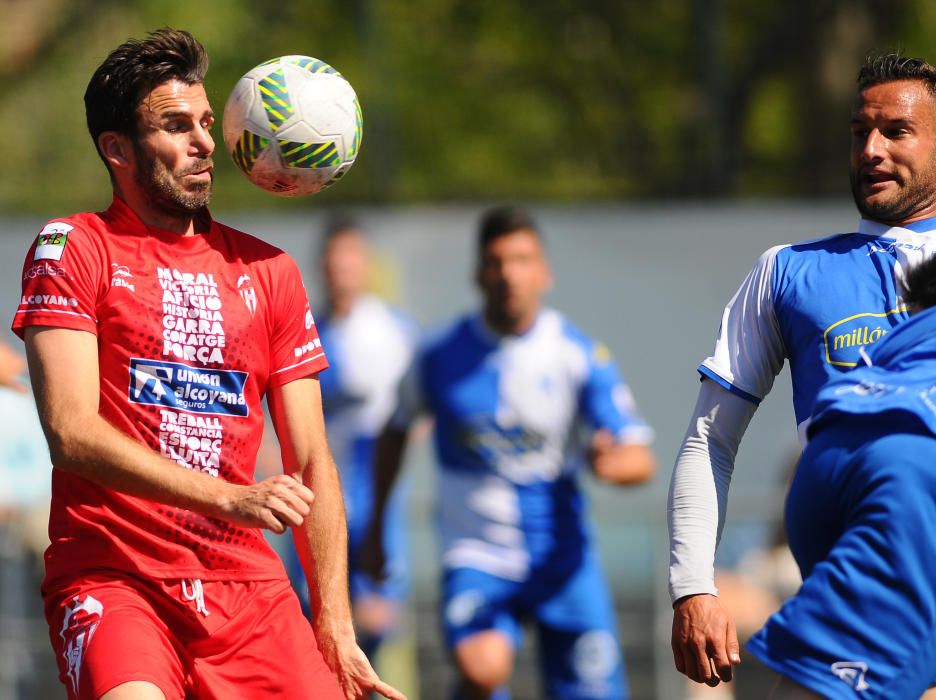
point(699, 488)
point(388, 459)
point(93, 449)
point(322, 542)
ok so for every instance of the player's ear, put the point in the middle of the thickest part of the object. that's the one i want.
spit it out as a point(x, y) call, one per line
point(116, 149)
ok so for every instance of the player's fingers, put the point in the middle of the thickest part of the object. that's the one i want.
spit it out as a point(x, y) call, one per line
point(725, 656)
point(285, 511)
point(713, 678)
point(301, 490)
point(678, 657)
point(700, 665)
point(294, 500)
point(388, 691)
point(271, 522)
point(732, 644)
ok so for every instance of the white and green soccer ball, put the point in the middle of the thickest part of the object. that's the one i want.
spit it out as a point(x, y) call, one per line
point(293, 125)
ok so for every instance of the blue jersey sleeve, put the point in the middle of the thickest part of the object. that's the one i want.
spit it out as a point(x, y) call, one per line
point(606, 402)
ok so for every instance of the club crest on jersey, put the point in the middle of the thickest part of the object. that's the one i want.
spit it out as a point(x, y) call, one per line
point(852, 672)
point(82, 618)
point(177, 386)
point(50, 243)
point(247, 292)
point(844, 339)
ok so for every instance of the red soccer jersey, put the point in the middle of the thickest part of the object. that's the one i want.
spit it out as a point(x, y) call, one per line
point(191, 333)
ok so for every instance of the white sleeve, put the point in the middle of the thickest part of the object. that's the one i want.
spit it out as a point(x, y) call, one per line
point(749, 350)
point(698, 492)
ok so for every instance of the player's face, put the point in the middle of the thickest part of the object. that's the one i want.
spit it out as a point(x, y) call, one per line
point(513, 275)
point(345, 265)
point(893, 152)
point(173, 148)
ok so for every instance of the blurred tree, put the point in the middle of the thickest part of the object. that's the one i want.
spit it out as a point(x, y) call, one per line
point(485, 99)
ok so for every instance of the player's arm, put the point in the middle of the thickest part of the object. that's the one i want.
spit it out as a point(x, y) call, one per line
point(63, 366)
point(620, 451)
point(322, 538)
point(704, 641)
point(621, 462)
point(389, 452)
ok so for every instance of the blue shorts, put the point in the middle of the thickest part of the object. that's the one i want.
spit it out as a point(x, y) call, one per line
point(579, 652)
point(861, 519)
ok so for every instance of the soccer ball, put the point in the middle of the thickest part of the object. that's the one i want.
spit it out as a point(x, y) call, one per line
point(293, 125)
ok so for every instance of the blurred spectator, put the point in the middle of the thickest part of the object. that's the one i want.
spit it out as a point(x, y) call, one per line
point(369, 344)
point(25, 490)
point(25, 468)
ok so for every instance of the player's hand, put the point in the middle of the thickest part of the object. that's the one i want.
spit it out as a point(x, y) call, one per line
point(705, 642)
point(276, 503)
point(355, 674)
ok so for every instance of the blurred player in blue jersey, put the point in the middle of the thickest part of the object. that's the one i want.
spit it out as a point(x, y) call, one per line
point(369, 345)
point(822, 305)
point(522, 402)
point(860, 518)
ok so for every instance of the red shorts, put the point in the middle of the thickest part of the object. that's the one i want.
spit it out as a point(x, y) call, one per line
point(209, 640)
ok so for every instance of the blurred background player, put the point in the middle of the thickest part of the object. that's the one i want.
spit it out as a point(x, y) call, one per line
point(522, 400)
point(822, 304)
point(860, 515)
point(369, 346)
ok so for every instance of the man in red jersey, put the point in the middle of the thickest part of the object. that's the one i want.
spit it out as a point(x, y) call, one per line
point(152, 334)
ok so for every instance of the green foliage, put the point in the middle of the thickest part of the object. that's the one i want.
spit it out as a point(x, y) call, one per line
point(487, 99)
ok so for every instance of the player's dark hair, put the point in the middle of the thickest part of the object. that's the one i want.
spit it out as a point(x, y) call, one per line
point(132, 71)
point(337, 223)
point(501, 220)
point(886, 68)
point(920, 285)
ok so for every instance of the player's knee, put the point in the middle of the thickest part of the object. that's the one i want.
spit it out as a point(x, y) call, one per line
point(485, 661)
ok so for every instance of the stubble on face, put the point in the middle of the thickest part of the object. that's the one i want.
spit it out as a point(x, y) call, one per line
point(904, 159)
point(166, 190)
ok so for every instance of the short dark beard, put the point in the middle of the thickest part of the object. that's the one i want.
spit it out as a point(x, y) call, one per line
point(164, 190)
point(910, 200)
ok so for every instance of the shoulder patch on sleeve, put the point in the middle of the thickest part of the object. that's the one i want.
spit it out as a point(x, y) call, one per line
point(601, 354)
point(50, 244)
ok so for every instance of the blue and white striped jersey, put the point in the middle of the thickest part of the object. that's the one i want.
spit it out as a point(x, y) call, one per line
point(512, 416)
point(817, 304)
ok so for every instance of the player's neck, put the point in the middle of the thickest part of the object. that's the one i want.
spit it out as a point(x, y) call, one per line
point(340, 305)
point(504, 324)
point(183, 223)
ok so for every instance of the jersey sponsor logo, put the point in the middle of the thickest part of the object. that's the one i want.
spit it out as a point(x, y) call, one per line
point(307, 348)
point(50, 244)
point(120, 275)
point(844, 339)
point(247, 293)
point(891, 246)
point(82, 618)
point(309, 320)
point(178, 386)
point(48, 300)
point(44, 269)
point(852, 672)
